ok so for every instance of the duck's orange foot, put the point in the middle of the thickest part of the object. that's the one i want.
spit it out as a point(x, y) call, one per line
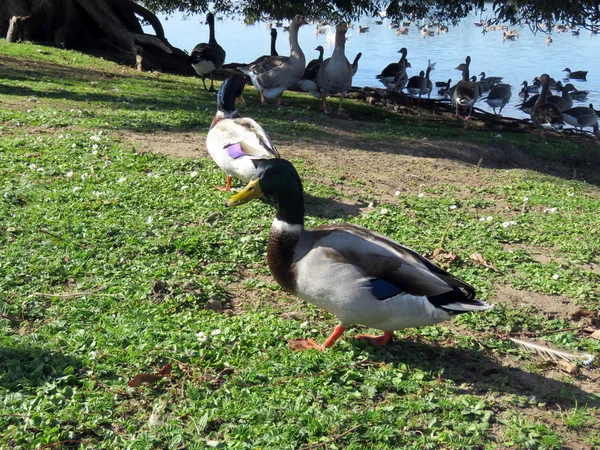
point(305, 344)
point(227, 185)
point(377, 341)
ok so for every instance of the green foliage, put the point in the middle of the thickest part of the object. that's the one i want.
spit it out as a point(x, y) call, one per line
point(109, 256)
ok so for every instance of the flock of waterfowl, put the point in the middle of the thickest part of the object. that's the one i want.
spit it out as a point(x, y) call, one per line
point(361, 277)
point(272, 74)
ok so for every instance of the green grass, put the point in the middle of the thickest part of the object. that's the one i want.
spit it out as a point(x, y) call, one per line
point(109, 256)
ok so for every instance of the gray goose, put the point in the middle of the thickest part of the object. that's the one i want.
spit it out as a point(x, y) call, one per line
point(308, 82)
point(207, 58)
point(546, 115)
point(466, 92)
point(420, 84)
point(582, 116)
point(499, 96)
point(272, 76)
point(335, 74)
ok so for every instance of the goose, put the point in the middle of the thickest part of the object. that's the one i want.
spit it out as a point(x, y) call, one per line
point(388, 74)
point(484, 86)
point(272, 76)
point(549, 40)
point(576, 75)
point(582, 117)
point(498, 97)
point(362, 29)
point(401, 78)
point(360, 276)
point(379, 22)
point(564, 101)
point(492, 80)
point(465, 92)
point(429, 86)
point(445, 91)
point(335, 74)
point(575, 32)
point(236, 144)
point(207, 58)
point(273, 49)
point(394, 25)
point(533, 89)
point(355, 63)
point(417, 84)
point(308, 82)
point(546, 115)
point(402, 31)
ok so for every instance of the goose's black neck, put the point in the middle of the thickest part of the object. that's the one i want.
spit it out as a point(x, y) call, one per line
point(211, 28)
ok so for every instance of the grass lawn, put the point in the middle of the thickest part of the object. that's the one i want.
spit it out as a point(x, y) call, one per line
point(120, 265)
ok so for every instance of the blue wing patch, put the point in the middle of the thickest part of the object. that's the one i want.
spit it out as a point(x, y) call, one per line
point(383, 289)
point(235, 151)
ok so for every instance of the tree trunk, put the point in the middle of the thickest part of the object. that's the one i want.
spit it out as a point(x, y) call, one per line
point(96, 26)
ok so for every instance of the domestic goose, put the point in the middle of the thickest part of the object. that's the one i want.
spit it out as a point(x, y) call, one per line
point(466, 92)
point(546, 115)
point(498, 96)
point(582, 117)
point(273, 75)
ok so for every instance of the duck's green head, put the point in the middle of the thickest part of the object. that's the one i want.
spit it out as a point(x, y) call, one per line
point(231, 91)
point(274, 178)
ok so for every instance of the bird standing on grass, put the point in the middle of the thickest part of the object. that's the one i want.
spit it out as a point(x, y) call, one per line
point(207, 58)
point(356, 274)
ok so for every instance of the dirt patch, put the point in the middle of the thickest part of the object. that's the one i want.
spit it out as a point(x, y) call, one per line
point(545, 255)
point(552, 305)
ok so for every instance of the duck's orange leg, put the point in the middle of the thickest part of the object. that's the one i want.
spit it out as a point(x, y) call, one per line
point(227, 186)
point(377, 341)
point(305, 344)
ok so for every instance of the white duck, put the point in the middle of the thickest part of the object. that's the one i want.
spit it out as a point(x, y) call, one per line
point(236, 144)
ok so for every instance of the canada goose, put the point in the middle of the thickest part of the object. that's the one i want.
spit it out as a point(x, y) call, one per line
point(308, 82)
point(499, 96)
point(576, 75)
point(207, 58)
point(273, 49)
point(272, 76)
point(445, 90)
point(388, 74)
point(546, 115)
point(465, 92)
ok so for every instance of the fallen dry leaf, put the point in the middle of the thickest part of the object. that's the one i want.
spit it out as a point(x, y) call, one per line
point(165, 371)
point(143, 378)
point(567, 367)
point(596, 335)
point(479, 259)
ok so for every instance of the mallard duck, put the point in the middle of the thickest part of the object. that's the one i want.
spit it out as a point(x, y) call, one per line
point(498, 97)
point(362, 29)
point(531, 89)
point(577, 74)
point(207, 58)
point(273, 48)
point(581, 117)
point(445, 91)
point(466, 92)
point(273, 75)
point(492, 80)
point(358, 275)
point(546, 115)
point(335, 74)
point(236, 144)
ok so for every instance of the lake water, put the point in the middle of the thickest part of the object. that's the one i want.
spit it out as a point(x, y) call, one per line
point(522, 59)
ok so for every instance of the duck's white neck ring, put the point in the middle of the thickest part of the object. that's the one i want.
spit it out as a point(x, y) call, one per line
point(282, 227)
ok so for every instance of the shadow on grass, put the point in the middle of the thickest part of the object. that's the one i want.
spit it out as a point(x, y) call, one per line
point(482, 373)
point(28, 367)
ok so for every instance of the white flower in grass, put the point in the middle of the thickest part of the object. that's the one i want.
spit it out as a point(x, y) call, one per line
point(194, 174)
point(421, 195)
point(32, 166)
point(303, 324)
point(489, 218)
point(384, 210)
point(84, 176)
point(67, 135)
point(556, 276)
point(122, 180)
point(149, 220)
point(508, 224)
point(453, 206)
point(397, 193)
point(40, 169)
point(76, 188)
point(95, 147)
point(215, 332)
point(551, 210)
point(525, 199)
point(60, 136)
point(73, 145)
point(69, 174)
point(588, 359)
point(100, 132)
point(201, 336)
point(183, 188)
point(93, 355)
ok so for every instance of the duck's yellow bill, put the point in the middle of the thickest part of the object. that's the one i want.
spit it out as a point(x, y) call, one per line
point(240, 99)
point(250, 192)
